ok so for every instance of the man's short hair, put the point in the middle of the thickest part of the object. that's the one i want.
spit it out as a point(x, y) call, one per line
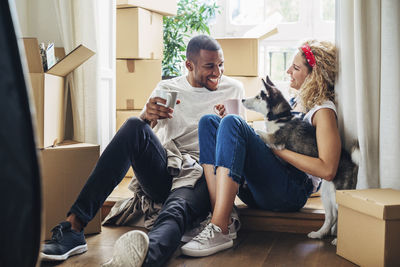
point(200, 42)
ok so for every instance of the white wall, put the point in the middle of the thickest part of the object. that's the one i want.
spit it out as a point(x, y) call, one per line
point(37, 19)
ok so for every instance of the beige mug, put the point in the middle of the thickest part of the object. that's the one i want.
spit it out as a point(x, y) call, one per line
point(232, 106)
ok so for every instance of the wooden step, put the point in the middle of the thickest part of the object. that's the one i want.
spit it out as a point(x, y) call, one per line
point(309, 218)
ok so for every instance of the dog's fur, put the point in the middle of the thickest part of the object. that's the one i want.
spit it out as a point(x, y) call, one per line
point(286, 131)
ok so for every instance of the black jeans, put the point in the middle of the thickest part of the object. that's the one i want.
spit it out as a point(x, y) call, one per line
point(136, 145)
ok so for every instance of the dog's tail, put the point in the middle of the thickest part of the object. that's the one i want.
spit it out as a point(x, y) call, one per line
point(356, 154)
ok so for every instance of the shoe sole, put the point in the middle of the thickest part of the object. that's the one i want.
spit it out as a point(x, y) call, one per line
point(206, 252)
point(186, 239)
point(126, 251)
point(76, 250)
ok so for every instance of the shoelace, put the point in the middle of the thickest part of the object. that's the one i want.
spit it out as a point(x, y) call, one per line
point(57, 233)
point(207, 233)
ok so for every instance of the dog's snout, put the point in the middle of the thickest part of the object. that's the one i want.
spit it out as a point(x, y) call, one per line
point(243, 100)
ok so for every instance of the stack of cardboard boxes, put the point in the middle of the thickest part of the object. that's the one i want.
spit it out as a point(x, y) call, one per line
point(242, 59)
point(65, 165)
point(139, 53)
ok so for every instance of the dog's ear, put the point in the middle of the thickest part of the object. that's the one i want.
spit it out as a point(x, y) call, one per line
point(267, 87)
point(270, 82)
point(263, 95)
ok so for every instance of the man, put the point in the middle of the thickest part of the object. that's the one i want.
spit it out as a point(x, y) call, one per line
point(144, 143)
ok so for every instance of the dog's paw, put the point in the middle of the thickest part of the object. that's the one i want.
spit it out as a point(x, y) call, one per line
point(263, 135)
point(334, 229)
point(334, 242)
point(277, 147)
point(315, 235)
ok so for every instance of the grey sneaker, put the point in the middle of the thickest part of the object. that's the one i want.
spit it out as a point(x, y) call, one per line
point(130, 250)
point(233, 227)
point(211, 240)
point(190, 234)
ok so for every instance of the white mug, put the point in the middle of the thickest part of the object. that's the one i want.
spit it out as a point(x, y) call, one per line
point(232, 106)
point(169, 95)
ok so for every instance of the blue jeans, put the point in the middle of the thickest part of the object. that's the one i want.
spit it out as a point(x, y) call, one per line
point(136, 145)
point(270, 183)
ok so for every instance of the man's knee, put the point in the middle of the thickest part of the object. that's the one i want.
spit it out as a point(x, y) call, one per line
point(176, 208)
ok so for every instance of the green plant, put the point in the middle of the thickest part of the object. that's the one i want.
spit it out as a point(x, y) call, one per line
point(192, 17)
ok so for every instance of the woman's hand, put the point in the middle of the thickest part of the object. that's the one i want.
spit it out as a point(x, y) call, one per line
point(329, 148)
point(219, 109)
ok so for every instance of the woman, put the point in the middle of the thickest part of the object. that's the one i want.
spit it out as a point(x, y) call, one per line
point(236, 160)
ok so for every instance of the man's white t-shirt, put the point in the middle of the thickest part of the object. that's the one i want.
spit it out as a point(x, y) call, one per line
point(194, 103)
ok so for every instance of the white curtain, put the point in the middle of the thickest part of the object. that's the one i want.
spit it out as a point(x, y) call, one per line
point(77, 22)
point(368, 87)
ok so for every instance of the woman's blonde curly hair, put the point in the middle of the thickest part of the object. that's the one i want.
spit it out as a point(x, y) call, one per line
point(319, 84)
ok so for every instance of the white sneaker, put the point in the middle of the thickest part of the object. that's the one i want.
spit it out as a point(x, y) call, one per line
point(190, 234)
point(130, 250)
point(211, 240)
point(233, 227)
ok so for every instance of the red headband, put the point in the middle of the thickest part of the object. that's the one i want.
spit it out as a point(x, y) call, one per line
point(309, 55)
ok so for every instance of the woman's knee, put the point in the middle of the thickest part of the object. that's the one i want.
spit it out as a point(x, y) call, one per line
point(208, 124)
point(209, 121)
point(232, 120)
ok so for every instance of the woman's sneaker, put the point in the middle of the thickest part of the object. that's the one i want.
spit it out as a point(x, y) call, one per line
point(190, 234)
point(130, 250)
point(233, 227)
point(211, 240)
point(64, 243)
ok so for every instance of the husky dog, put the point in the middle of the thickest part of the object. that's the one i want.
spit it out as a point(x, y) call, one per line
point(286, 131)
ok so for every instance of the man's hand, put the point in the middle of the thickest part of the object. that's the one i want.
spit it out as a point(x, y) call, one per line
point(219, 109)
point(155, 112)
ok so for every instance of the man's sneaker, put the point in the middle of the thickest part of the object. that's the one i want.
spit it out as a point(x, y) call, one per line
point(64, 243)
point(233, 227)
point(211, 240)
point(130, 250)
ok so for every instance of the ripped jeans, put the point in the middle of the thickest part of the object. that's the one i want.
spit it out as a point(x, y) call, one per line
point(265, 181)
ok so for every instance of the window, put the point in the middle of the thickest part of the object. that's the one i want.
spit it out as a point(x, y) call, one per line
point(296, 20)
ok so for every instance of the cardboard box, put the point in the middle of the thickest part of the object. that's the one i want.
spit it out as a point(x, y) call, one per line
point(136, 79)
point(369, 226)
point(242, 54)
point(139, 34)
point(122, 116)
point(252, 86)
point(64, 171)
point(164, 7)
point(48, 90)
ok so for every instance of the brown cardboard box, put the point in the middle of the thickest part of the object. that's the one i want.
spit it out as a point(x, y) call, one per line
point(136, 79)
point(64, 170)
point(48, 90)
point(252, 86)
point(139, 34)
point(241, 55)
point(164, 7)
point(369, 226)
point(122, 116)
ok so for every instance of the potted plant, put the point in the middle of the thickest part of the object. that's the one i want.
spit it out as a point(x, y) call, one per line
point(192, 17)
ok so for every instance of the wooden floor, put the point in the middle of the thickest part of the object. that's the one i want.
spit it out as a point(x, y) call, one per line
point(251, 249)
point(263, 240)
